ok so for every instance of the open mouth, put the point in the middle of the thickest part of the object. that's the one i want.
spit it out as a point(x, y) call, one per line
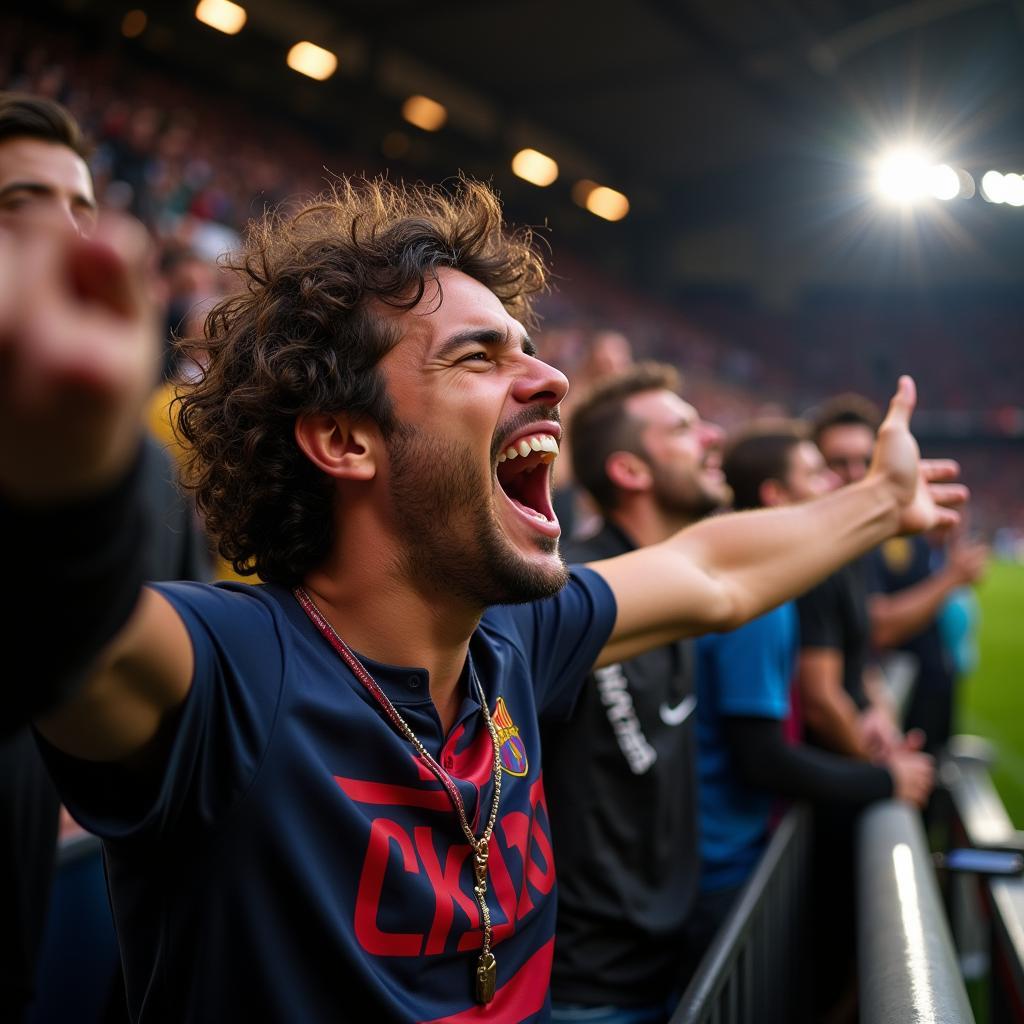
point(523, 473)
point(712, 465)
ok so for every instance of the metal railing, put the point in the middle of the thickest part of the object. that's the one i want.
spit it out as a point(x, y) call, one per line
point(750, 972)
point(908, 970)
point(987, 913)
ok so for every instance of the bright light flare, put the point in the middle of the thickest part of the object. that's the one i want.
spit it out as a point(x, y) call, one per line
point(943, 182)
point(902, 176)
point(312, 61)
point(993, 188)
point(909, 175)
point(534, 167)
point(967, 187)
point(222, 15)
point(1013, 189)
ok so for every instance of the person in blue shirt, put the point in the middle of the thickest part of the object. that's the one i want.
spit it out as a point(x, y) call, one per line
point(323, 797)
point(745, 763)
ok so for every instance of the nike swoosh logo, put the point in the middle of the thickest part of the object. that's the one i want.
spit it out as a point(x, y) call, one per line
point(680, 713)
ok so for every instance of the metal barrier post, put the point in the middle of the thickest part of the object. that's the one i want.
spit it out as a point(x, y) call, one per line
point(750, 973)
point(908, 969)
point(996, 911)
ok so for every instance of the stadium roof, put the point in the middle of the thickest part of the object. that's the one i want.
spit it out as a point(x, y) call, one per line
point(740, 130)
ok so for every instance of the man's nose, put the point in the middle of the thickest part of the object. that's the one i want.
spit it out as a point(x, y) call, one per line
point(711, 434)
point(541, 382)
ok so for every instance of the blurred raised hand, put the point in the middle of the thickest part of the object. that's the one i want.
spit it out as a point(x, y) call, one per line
point(79, 350)
point(925, 491)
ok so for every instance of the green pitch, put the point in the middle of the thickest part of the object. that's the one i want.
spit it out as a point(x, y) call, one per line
point(992, 700)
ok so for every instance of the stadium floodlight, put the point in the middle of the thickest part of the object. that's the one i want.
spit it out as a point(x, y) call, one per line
point(534, 167)
point(993, 187)
point(943, 182)
point(425, 113)
point(904, 175)
point(222, 15)
point(1013, 189)
point(1013, 186)
point(967, 186)
point(312, 61)
point(600, 200)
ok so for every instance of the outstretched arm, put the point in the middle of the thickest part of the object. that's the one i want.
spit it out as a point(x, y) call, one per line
point(78, 351)
point(726, 570)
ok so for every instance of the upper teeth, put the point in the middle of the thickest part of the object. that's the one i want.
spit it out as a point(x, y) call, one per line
point(544, 443)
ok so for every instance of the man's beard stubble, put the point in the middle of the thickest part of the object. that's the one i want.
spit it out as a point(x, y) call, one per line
point(453, 542)
point(685, 498)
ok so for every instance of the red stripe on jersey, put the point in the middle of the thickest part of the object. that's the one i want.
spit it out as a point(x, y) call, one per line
point(396, 796)
point(522, 995)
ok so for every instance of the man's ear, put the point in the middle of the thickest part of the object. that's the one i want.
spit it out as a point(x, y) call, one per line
point(628, 472)
point(343, 448)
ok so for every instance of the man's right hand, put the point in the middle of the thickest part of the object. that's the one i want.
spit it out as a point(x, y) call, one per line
point(79, 354)
point(913, 776)
point(967, 561)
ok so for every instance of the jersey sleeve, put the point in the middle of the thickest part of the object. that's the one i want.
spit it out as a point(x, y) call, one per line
point(562, 637)
point(752, 667)
point(209, 751)
point(819, 615)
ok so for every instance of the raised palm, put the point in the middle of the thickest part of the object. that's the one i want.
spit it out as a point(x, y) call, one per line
point(925, 495)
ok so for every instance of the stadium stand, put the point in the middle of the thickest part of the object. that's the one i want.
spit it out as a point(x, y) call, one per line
point(197, 169)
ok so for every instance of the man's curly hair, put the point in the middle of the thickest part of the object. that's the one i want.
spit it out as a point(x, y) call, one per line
point(301, 336)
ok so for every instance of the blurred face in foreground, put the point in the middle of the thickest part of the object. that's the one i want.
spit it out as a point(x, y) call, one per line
point(469, 462)
point(45, 181)
point(683, 452)
point(847, 449)
point(807, 476)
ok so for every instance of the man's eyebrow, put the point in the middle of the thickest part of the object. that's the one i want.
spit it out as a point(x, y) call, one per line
point(26, 186)
point(483, 336)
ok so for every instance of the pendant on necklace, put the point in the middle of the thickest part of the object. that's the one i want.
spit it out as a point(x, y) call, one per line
point(486, 978)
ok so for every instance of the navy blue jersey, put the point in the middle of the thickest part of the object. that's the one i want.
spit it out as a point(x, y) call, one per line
point(296, 861)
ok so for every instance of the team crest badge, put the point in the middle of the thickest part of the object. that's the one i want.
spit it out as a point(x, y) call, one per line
point(897, 553)
point(510, 744)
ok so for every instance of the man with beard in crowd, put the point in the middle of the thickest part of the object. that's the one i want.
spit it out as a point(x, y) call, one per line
point(292, 828)
point(621, 772)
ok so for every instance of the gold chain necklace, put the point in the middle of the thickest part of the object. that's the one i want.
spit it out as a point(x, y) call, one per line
point(486, 967)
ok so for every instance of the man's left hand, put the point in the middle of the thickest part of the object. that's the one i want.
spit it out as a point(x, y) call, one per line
point(924, 493)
